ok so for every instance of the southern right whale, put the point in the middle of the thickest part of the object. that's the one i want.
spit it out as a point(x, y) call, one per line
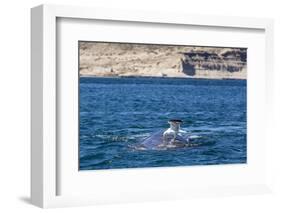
point(173, 137)
point(156, 141)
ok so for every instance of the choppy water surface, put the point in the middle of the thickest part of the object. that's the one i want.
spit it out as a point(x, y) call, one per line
point(116, 114)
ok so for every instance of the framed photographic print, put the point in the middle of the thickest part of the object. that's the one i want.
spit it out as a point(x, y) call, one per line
point(130, 106)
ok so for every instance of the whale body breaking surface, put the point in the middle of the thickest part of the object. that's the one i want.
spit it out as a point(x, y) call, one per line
point(156, 142)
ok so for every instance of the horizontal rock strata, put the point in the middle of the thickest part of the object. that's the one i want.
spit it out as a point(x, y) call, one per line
point(120, 59)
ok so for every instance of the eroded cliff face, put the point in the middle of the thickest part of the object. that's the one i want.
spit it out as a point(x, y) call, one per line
point(118, 59)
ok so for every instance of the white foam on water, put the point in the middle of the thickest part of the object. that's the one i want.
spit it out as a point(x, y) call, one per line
point(194, 136)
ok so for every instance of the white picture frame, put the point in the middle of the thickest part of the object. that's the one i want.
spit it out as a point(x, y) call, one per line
point(45, 168)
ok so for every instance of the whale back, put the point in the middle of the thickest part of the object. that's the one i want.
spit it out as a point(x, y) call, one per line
point(156, 140)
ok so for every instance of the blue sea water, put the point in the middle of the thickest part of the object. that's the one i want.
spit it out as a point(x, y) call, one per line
point(116, 114)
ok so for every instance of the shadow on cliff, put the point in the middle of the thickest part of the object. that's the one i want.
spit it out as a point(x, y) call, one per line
point(188, 69)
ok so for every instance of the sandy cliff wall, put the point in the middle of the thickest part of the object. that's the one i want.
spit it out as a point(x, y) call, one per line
point(114, 59)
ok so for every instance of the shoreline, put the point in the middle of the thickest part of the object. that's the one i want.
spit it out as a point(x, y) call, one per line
point(163, 77)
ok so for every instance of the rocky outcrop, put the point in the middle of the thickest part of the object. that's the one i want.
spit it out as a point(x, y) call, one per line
point(116, 59)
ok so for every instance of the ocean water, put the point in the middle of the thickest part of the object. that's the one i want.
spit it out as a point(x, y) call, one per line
point(117, 114)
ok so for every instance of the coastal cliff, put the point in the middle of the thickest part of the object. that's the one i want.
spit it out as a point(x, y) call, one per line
point(121, 59)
